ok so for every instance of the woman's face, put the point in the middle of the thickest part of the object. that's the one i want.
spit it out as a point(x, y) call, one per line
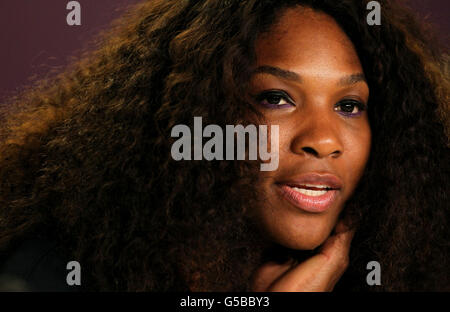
point(309, 81)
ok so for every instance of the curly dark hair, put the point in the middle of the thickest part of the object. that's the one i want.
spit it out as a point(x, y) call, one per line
point(85, 157)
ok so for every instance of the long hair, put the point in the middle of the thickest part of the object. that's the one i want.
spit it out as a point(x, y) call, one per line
point(85, 157)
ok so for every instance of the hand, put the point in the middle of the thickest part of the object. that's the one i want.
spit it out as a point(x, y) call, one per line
point(319, 273)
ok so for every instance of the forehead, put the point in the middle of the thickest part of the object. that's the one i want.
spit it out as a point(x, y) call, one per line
point(302, 37)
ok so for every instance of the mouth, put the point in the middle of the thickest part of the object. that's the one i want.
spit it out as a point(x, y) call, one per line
point(311, 192)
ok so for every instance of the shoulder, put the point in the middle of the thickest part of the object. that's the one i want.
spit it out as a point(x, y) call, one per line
point(35, 265)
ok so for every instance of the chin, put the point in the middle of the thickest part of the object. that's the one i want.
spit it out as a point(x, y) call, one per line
point(308, 237)
point(306, 244)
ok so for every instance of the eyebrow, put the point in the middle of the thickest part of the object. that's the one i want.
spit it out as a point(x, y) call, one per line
point(276, 71)
point(290, 75)
point(352, 79)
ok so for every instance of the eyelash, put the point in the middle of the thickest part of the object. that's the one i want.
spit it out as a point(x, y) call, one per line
point(284, 96)
point(276, 93)
point(361, 107)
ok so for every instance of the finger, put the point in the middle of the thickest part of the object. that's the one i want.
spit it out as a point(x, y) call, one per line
point(336, 250)
point(268, 273)
point(303, 277)
point(339, 242)
point(320, 272)
point(342, 226)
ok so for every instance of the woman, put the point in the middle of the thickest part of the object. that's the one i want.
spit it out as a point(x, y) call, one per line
point(86, 164)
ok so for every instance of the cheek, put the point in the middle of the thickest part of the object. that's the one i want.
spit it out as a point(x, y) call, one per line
point(357, 151)
point(362, 145)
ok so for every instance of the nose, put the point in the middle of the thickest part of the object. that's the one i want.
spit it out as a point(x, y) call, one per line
point(317, 136)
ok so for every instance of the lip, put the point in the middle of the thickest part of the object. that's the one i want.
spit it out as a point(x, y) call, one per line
point(315, 204)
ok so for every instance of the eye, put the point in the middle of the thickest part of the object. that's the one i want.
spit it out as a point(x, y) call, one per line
point(350, 107)
point(274, 99)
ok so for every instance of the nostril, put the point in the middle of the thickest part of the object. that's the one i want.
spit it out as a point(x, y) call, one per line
point(336, 154)
point(310, 150)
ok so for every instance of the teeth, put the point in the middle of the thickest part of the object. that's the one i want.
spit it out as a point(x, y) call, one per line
point(316, 186)
point(309, 192)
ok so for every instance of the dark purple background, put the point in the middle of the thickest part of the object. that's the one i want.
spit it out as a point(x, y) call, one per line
point(35, 37)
